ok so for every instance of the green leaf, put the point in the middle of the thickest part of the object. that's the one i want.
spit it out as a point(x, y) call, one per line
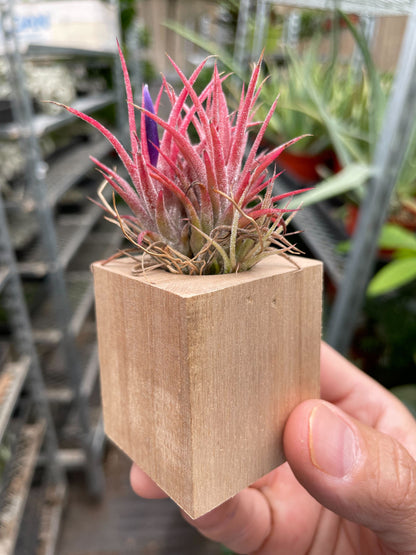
point(211, 47)
point(351, 177)
point(393, 275)
point(396, 237)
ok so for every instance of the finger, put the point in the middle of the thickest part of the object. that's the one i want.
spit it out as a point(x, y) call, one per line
point(356, 471)
point(243, 523)
point(264, 518)
point(341, 380)
point(143, 485)
point(363, 398)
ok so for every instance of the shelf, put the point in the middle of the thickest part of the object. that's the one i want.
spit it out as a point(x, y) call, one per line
point(16, 495)
point(50, 222)
point(99, 245)
point(369, 7)
point(45, 123)
point(71, 230)
point(80, 290)
point(23, 228)
point(70, 434)
point(72, 456)
point(51, 519)
point(12, 378)
point(27, 539)
point(71, 166)
point(58, 384)
point(80, 293)
point(65, 170)
point(47, 502)
point(57, 52)
point(98, 437)
point(57, 388)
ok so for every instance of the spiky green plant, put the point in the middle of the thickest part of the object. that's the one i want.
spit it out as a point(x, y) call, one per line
point(204, 206)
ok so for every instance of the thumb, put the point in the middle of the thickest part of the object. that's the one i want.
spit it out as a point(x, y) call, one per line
point(355, 471)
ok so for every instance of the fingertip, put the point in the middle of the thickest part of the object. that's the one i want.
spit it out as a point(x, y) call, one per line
point(320, 438)
point(143, 485)
point(296, 432)
point(243, 522)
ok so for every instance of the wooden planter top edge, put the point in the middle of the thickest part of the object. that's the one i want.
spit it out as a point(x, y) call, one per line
point(191, 286)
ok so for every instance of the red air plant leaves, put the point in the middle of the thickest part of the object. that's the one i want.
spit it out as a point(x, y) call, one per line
point(198, 206)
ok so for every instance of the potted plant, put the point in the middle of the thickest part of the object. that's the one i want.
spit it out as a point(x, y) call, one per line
point(206, 340)
point(319, 94)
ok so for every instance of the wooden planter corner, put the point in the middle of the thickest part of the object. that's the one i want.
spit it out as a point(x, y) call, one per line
point(199, 374)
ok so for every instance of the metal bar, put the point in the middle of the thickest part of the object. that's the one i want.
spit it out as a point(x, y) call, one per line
point(50, 519)
point(261, 27)
point(240, 48)
point(64, 394)
point(388, 158)
point(71, 167)
point(11, 381)
point(4, 275)
point(45, 123)
point(369, 7)
point(70, 232)
point(292, 29)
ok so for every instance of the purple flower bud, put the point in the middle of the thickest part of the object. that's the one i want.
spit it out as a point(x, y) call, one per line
point(152, 137)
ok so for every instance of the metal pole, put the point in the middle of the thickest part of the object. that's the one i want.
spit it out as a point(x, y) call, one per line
point(388, 158)
point(261, 26)
point(292, 29)
point(241, 33)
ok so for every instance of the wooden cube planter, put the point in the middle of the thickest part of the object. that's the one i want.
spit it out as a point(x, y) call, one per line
point(199, 374)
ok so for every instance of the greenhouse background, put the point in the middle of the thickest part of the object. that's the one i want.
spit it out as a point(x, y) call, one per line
point(346, 74)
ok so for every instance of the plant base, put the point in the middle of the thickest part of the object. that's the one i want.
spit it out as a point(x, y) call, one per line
point(199, 374)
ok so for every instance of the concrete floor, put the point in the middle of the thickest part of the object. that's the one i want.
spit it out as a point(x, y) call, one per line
point(124, 524)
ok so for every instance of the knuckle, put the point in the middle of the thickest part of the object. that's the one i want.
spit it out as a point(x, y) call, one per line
point(400, 495)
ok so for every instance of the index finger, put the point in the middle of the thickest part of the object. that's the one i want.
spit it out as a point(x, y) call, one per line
point(344, 385)
point(143, 485)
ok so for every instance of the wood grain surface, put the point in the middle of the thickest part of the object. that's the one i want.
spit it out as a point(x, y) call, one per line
point(199, 374)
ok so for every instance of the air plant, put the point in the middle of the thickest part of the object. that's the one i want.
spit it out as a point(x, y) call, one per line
point(201, 206)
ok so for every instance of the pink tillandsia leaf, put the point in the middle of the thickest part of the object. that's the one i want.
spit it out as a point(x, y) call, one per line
point(177, 106)
point(196, 206)
point(121, 186)
point(118, 147)
point(129, 95)
point(265, 160)
point(240, 131)
point(184, 145)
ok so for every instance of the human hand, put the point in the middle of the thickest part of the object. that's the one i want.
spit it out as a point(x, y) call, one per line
point(349, 485)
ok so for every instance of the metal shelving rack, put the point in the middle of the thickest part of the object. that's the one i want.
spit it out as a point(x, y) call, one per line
point(352, 273)
point(28, 429)
point(54, 245)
